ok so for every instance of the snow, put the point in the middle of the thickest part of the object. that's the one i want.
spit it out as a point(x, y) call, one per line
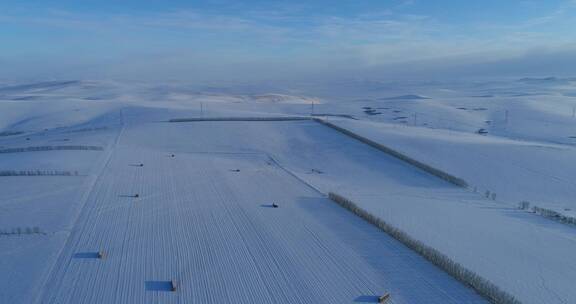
point(212, 230)
point(524, 254)
point(48, 205)
point(283, 98)
point(415, 201)
point(406, 97)
point(541, 173)
point(205, 225)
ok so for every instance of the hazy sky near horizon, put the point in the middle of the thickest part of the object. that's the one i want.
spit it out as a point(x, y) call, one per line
point(259, 39)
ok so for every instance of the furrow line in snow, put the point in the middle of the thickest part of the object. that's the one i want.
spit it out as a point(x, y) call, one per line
point(51, 273)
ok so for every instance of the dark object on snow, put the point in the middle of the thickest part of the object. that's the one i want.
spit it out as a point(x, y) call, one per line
point(141, 165)
point(89, 255)
point(27, 138)
point(384, 298)
point(235, 170)
point(136, 195)
point(482, 131)
point(274, 205)
point(372, 112)
point(171, 155)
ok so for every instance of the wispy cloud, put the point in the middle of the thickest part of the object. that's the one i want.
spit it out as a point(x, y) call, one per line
point(291, 35)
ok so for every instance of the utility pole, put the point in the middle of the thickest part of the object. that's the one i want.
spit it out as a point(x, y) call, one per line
point(312, 108)
point(505, 127)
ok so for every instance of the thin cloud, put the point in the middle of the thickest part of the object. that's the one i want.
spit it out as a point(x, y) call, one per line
point(285, 37)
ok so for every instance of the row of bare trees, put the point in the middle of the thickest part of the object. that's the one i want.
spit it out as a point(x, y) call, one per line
point(484, 287)
point(37, 173)
point(20, 231)
point(50, 148)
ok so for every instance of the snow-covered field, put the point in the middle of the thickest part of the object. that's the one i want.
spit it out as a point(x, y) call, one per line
point(212, 229)
point(199, 221)
point(515, 170)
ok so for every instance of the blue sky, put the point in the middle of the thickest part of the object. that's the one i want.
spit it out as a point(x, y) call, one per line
point(259, 39)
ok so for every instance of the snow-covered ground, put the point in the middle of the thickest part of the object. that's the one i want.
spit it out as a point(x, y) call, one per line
point(515, 170)
point(526, 149)
point(199, 222)
point(212, 229)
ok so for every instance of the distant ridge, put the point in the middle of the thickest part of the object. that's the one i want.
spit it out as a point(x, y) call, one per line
point(46, 85)
point(282, 98)
point(406, 97)
point(551, 79)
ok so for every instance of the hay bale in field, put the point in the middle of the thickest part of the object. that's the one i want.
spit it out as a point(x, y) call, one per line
point(384, 298)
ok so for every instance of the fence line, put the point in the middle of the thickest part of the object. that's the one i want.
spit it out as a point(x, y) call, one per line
point(20, 231)
point(420, 165)
point(554, 215)
point(50, 148)
point(11, 133)
point(38, 173)
point(272, 118)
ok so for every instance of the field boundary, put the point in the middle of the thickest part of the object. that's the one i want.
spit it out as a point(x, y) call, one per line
point(271, 118)
point(294, 175)
point(383, 148)
point(554, 215)
point(51, 148)
point(4, 173)
point(418, 164)
point(481, 285)
point(60, 259)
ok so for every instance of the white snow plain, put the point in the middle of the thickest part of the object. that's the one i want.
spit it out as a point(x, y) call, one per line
point(209, 228)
